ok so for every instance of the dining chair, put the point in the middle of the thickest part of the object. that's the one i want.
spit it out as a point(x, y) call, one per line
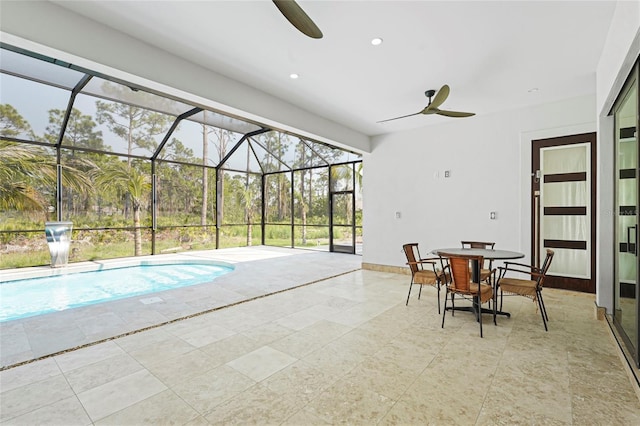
point(425, 271)
point(485, 270)
point(462, 284)
point(530, 288)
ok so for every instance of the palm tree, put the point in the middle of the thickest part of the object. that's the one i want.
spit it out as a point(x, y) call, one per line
point(28, 172)
point(121, 178)
point(19, 165)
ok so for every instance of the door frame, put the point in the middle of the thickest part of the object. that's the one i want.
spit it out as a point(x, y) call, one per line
point(578, 284)
point(341, 248)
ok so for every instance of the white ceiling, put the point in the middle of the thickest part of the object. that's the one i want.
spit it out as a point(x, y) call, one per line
point(491, 53)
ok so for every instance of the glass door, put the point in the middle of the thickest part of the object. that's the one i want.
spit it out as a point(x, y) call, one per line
point(342, 205)
point(626, 218)
point(563, 214)
point(342, 236)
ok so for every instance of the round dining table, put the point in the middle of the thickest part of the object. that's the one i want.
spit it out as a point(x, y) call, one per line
point(490, 254)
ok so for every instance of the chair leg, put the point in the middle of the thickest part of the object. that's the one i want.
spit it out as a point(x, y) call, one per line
point(410, 285)
point(444, 312)
point(543, 305)
point(438, 286)
point(453, 305)
point(480, 314)
point(474, 307)
point(420, 291)
point(495, 305)
point(542, 311)
point(494, 299)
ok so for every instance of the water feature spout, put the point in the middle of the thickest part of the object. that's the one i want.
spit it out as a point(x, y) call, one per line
point(59, 239)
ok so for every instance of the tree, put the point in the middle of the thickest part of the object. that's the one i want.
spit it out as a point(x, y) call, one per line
point(284, 184)
point(302, 199)
point(276, 145)
point(12, 124)
point(21, 172)
point(28, 173)
point(80, 130)
point(19, 164)
point(127, 181)
point(220, 138)
point(222, 141)
point(251, 202)
point(137, 126)
point(205, 172)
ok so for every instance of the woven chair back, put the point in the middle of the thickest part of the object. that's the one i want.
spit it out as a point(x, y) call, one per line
point(478, 244)
point(461, 272)
point(545, 266)
point(413, 255)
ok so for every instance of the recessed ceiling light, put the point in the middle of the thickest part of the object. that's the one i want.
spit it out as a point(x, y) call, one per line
point(376, 41)
point(293, 76)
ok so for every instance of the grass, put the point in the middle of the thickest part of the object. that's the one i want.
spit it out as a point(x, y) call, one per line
point(80, 253)
point(110, 244)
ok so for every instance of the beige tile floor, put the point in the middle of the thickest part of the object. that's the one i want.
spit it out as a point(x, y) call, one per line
point(341, 350)
point(258, 271)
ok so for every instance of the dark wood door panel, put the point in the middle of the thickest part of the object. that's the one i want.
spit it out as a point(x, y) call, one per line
point(537, 242)
point(575, 284)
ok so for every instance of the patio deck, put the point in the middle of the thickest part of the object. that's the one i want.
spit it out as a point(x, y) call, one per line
point(344, 349)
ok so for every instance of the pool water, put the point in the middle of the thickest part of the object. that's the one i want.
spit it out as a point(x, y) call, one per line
point(36, 296)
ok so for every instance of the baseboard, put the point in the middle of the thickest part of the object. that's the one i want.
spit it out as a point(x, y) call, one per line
point(600, 312)
point(386, 268)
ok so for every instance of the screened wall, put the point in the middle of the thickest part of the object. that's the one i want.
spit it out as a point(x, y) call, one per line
point(140, 173)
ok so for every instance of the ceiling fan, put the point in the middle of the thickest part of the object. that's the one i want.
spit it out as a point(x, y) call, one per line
point(298, 18)
point(432, 108)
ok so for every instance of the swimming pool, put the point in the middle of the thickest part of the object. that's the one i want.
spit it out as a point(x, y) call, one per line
point(35, 296)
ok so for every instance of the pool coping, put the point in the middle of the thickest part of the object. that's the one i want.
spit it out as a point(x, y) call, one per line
point(32, 272)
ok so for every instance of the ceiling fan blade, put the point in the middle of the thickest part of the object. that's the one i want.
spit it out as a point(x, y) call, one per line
point(454, 113)
point(298, 18)
point(429, 110)
point(439, 98)
point(404, 116)
point(434, 103)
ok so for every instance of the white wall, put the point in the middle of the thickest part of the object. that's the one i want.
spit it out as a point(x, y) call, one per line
point(490, 160)
point(51, 30)
point(618, 55)
point(620, 52)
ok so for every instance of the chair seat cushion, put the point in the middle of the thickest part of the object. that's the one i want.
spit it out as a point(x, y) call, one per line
point(522, 287)
point(486, 292)
point(484, 274)
point(425, 277)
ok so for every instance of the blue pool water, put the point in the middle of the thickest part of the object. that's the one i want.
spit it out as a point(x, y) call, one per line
point(35, 296)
